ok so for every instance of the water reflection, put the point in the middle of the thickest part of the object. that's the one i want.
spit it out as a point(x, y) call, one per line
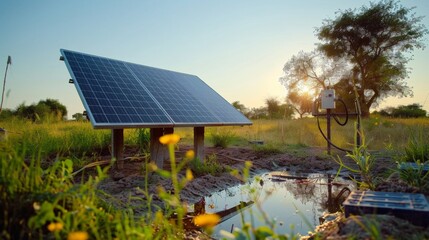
point(288, 199)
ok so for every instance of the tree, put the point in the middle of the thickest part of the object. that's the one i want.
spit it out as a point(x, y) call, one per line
point(302, 103)
point(79, 117)
point(55, 107)
point(44, 110)
point(374, 41)
point(258, 113)
point(273, 108)
point(288, 110)
point(409, 111)
point(312, 71)
point(240, 107)
point(307, 73)
point(6, 114)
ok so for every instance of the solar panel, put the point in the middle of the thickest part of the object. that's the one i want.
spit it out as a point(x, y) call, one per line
point(118, 94)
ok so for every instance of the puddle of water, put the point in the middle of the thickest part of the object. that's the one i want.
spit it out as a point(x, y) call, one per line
point(295, 203)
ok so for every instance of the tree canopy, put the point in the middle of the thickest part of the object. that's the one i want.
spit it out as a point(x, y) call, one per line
point(302, 103)
point(44, 110)
point(374, 40)
point(409, 111)
point(306, 74)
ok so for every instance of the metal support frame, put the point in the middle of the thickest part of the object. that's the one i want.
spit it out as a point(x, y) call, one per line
point(328, 129)
point(118, 147)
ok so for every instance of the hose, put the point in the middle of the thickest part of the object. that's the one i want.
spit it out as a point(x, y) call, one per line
point(329, 141)
point(347, 114)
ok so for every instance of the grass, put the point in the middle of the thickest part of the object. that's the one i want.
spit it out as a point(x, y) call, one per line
point(221, 138)
point(209, 166)
point(417, 148)
point(39, 198)
point(79, 139)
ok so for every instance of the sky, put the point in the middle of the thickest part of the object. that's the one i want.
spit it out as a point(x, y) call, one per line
point(238, 48)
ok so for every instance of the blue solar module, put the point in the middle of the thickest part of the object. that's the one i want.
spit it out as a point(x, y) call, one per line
point(119, 94)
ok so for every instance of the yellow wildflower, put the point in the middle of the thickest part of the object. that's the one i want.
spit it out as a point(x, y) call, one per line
point(190, 154)
point(189, 175)
point(55, 226)
point(159, 216)
point(36, 206)
point(206, 220)
point(80, 235)
point(248, 164)
point(169, 139)
point(153, 167)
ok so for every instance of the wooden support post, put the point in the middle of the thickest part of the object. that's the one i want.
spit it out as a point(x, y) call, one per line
point(118, 147)
point(199, 143)
point(157, 150)
point(166, 153)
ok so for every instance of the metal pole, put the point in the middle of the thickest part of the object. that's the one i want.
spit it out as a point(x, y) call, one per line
point(328, 128)
point(9, 61)
point(118, 147)
point(358, 127)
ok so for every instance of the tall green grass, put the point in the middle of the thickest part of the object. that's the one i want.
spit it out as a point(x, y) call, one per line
point(79, 139)
point(36, 194)
point(45, 203)
point(76, 140)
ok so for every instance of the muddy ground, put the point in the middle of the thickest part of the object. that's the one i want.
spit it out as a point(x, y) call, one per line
point(128, 183)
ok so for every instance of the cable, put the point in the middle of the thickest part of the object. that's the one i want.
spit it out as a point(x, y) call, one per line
point(347, 114)
point(329, 141)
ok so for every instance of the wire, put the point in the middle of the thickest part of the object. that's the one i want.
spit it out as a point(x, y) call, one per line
point(347, 114)
point(329, 141)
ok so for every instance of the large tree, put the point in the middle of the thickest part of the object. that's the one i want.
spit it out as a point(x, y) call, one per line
point(375, 40)
point(307, 73)
point(312, 71)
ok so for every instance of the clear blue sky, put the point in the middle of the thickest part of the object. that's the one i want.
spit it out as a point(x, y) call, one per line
point(237, 47)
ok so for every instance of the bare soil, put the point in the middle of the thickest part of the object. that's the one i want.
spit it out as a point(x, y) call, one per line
point(126, 185)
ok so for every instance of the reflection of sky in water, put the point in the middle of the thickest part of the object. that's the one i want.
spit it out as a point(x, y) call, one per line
point(297, 202)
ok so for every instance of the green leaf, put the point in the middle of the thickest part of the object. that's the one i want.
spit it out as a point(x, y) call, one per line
point(164, 173)
point(263, 232)
point(45, 214)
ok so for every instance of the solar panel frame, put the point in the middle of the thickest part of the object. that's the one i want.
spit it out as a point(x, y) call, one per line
point(119, 94)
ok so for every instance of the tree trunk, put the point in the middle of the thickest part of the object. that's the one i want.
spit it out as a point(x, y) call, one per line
point(364, 108)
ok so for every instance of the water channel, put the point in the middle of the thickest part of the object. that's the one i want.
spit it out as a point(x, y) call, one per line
point(294, 202)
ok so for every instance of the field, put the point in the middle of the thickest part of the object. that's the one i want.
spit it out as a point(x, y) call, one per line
point(42, 195)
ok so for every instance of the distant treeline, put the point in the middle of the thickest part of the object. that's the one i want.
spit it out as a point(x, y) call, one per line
point(51, 110)
point(44, 110)
point(409, 111)
point(273, 109)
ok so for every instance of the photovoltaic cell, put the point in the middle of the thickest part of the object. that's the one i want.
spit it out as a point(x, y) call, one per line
point(121, 94)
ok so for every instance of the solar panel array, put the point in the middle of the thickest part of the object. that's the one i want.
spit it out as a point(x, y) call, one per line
point(119, 94)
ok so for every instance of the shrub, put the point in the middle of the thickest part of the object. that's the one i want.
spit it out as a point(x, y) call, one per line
point(266, 149)
point(416, 177)
point(222, 139)
point(209, 166)
point(417, 148)
point(143, 139)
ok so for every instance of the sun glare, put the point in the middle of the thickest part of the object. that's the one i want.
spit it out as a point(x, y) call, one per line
point(305, 89)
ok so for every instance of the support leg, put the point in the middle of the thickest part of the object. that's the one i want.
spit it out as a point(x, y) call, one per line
point(118, 147)
point(199, 143)
point(157, 150)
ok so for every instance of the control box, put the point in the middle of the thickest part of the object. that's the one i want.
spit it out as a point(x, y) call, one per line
point(327, 98)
